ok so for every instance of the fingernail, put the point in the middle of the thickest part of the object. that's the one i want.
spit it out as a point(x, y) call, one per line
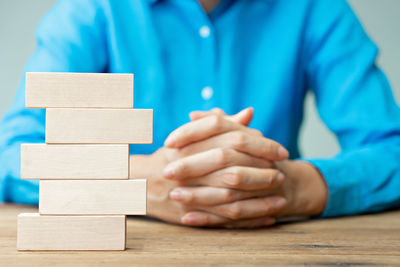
point(169, 171)
point(180, 195)
point(170, 141)
point(282, 152)
point(280, 177)
point(269, 221)
point(188, 219)
point(280, 203)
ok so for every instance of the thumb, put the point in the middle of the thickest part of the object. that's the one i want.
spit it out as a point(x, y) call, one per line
point(195, 115)
point(243, 117)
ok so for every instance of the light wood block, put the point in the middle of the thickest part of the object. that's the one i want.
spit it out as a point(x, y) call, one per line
point(78, 90)
point(123, 126)
point(42, 161)
point(70, 197)
point(38, 232)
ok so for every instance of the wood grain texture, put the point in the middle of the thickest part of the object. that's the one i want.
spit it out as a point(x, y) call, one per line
point(106, 197)
point(38, 232)
point(368, 240)
point(78, 90)
point(43, 161)
point(90, 126)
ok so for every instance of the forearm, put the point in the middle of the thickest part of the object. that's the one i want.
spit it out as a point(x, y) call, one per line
point(363, 180)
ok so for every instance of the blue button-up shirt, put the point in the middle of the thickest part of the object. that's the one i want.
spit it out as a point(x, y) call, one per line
point(261, 53)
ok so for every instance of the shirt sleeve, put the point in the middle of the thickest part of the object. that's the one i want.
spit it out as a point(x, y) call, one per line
point(355, 101)
point(70, 38)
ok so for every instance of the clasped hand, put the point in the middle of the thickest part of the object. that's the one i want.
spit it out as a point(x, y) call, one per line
point(216, 171)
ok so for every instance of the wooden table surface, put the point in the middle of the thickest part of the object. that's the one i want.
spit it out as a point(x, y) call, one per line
point(369, 240)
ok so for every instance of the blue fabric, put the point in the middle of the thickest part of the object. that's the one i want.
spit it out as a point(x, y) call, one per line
point(261, 53)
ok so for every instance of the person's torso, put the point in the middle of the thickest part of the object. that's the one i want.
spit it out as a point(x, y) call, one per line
point(245, 53)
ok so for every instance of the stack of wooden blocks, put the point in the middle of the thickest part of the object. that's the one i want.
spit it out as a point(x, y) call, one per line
point(85, 192)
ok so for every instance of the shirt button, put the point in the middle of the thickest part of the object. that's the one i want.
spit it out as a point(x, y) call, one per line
point(207, 93)
point(204, 31)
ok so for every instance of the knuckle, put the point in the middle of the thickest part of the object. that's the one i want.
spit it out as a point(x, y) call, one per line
point(236, 176)
point(234, 211)
point(217, 111)
point(182, 153)
point(223, 155)
point(274, 147)
point(267, 206)
point(267, 147)
point(180, 166)
point(239, 138)
point(227, 195)
point(269, 181)
point(269, 178)
point(219, 154)
point(257, 132)
point(216, 122)
point(180, 132)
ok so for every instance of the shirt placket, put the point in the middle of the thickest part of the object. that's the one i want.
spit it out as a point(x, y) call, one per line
point(205, 34)
point(208, 56)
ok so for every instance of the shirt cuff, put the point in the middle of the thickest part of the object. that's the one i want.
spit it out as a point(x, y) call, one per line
point(343, 193)
point(12, 187)
point(8, 155)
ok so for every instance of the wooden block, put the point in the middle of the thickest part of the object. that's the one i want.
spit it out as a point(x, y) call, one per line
point(38, 232)
point(42, 161)
point(70, 197)
point(78, 90)
point(116, 126)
